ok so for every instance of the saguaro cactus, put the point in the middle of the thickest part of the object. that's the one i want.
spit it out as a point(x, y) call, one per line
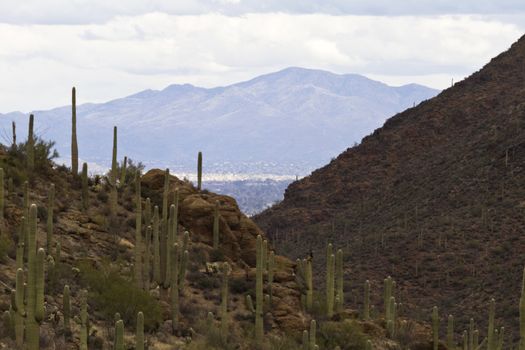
point(339, 275)
point(226, 269)
point(66, 301)
point(147, 259)
point(313, 330)
point(309, 285)
point(139, 336)
point(491, 343)
point(39, 285)
point(330, 282)
point(83, 321)
point(30, 144)
point(435, 328)
point(2, 194)
point(156, 246)
point(119, 335)
point(522, 314)
point(113, 195)
point(366, 302)
point(123, 171)
point(175, 287)
point(50, 208)
point(259, 330)
point(13, 126)
point(85, 190)
point(138, 233)
point(199, 171)
point(216, 226)
point(450, 332)
point(20, 308)
point(387, 294)
point(163, 234)
point(74, 145)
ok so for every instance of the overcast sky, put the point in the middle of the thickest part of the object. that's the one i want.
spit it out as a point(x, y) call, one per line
point(113, 48)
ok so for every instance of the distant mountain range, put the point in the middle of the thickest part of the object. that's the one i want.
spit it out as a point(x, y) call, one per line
point(288, 122)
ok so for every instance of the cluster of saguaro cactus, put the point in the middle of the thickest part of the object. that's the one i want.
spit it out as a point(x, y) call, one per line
point(74, 145)
point(309, 338)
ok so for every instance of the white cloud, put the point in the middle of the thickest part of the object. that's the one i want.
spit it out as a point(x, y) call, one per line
point(97, 11)
point(40, 63)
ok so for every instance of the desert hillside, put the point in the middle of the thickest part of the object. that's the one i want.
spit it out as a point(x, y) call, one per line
point(435, 198)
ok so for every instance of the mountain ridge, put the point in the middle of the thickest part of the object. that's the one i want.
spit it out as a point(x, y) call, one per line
point(268, 119)
point(433, 198)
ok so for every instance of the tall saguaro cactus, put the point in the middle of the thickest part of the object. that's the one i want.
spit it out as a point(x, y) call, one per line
point(13, 126)
point(50, 208)
point(226, 269)
point(156, 246)
point(83, 321)
point(20, 308)
point(31, 144)
point(491, 343)
point(74, 145)
point(309, 285)
point(33, 311)
point(330, 281)
point(175, 287)
point(199, 171)
point(435, 328)
point(66, 301)
point(366, 302)
point(138, 232)
point(2, 194)
point(522, 314)
point(450, 332)
point(339, 275)
point(113, 177)
point(139, 336)
point(259, 330)
point(119, 335)
point(85, 190)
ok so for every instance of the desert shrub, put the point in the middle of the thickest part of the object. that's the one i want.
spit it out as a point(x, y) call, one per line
point(6, 244)
point(111, 293)
point(204, 281)
point(239, 285)
point(348, 335)
point(216, 255)
point(102, 196)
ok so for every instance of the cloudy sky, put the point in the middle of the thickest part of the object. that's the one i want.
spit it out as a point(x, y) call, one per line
point(112, 48)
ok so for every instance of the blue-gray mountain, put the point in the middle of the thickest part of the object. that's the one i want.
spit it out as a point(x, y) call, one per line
point(290, 122)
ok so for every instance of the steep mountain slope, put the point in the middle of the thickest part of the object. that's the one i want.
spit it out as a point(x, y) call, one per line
point(93, 247)
point(435, 198)
point(297, 118)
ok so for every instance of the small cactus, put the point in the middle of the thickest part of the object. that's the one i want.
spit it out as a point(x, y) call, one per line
point(139, 336)
point(119, 335)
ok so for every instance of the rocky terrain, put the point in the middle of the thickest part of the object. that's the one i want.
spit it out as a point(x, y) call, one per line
point(434, 198)
point(91, 237)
